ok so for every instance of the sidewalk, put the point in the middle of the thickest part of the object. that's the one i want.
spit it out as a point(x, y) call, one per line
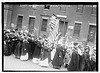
point(11, 63)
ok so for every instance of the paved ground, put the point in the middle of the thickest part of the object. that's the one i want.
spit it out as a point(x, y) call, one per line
point(11, 63)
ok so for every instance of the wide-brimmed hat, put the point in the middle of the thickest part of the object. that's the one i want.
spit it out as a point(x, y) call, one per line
point(75, 43)
point(26, 31)
point(45, 35)
point(87, 47)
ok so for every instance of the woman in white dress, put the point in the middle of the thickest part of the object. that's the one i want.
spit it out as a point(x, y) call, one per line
point(45, 53)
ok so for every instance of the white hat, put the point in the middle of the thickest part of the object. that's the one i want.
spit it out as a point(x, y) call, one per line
point(8, 30)
point(21, 31)
point(26, 31)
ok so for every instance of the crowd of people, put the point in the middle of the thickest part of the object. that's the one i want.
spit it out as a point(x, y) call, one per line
point(27, 46)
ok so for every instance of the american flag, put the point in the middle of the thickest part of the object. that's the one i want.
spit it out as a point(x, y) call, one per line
point(53, 22)
point(54, 25)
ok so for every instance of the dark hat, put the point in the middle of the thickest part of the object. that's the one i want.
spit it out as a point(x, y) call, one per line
point(75, 43)
point(87, 47)
point(44, 35)
point(12, 31)
point(16, 29)
point(40, 37)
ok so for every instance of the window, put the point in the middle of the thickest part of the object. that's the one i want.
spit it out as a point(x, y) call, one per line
point(92, 33)
point(77, 29)
point(34, 6)
point(94, 9)
point(31, 23)
point(8, 7)
point(19, 21)
point(22, 5)
point(80, 8)
point(47, 7)
point(44, 24)
point(5, 16)
point(62, 8)
point(63, 25)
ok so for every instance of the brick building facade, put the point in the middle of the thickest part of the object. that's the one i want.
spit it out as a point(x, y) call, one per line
point(79, 21)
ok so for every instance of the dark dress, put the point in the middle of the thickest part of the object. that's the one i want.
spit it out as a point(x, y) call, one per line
point(74, 63)
point(93, 65)
point(18, 49)
point(37, 50)
point(14, 42)
point(32, 48)
point(7, 50)
point(87, 63)
point(80, 62)
point(25, 49)
point(58, 57)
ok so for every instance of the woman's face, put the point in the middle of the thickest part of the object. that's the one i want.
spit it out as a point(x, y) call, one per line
point(86, 49)
point(94, 50)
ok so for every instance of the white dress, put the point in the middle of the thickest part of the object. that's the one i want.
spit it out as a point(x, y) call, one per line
point(25, 57)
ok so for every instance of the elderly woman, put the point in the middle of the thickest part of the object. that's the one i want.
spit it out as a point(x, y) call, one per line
point(37, 51)
point(93, 59)
point(7, 44)
point(17, 51)
point(74, 62)
point(59, 55)
point(86, 66)
point(67, 57)
point(45, 53)
point(25, 48)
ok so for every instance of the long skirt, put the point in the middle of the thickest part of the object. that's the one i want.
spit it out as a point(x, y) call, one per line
point(93, 65)
point(53, 54)
point(45, 57)
point(74, 63)
point(25, 51)
point(13, 46)
point(7, 50)
point(67, 59)
point(36, 54)
point(32, 48)
point(18, 49)
point(58, 58)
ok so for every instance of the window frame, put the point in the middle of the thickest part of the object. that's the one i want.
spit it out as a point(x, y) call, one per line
point(22, 20)
point(62, 10)
point(43, 17)
point(74, 32)
point(78, 11)
point(64, 21)
point(29, 22)
point(92, 10)
point(94, 39)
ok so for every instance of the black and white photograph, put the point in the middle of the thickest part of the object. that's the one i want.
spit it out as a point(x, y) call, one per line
point(49, 36)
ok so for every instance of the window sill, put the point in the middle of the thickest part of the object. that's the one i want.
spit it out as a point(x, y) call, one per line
point(93, 15)
point(79, 13)
point(63, 11)
point(76, 37)
point(46, 9)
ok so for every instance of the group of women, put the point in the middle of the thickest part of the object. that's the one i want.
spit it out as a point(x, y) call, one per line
point(26, 46)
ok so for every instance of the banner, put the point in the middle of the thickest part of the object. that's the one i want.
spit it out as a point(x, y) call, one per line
point(53, 28)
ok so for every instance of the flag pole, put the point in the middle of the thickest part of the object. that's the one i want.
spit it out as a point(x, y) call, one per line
point(55, 15)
